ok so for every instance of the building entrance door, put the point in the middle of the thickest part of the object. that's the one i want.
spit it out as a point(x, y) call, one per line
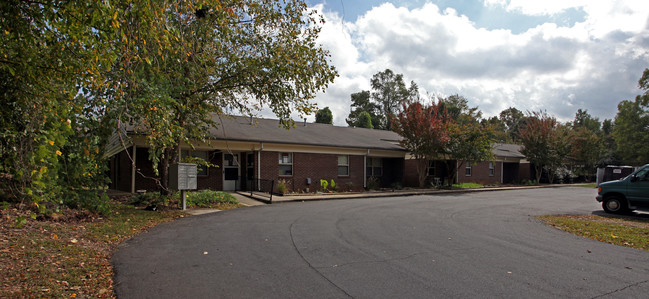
point(231, 172)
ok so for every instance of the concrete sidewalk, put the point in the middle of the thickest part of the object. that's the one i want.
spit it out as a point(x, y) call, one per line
point(265, 198)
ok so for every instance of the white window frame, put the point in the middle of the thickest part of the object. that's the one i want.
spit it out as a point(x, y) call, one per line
point(468, 170)
point(373, 163)
point(344, 165)
point(431, 165)
point(282, 162)
point(201, 170)
point(492, 169)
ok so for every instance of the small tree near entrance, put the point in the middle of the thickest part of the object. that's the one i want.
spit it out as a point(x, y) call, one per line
point(425, 133)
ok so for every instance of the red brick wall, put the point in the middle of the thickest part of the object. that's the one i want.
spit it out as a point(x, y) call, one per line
point(214, 178)
point(411, 178)
point(305, 165)
point(526, 171)
point(480, 174)
point(316, 167)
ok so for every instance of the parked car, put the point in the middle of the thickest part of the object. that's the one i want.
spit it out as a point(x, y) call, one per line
point(626, 194)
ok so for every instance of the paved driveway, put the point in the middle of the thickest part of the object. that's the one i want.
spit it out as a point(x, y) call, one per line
point(485, 244)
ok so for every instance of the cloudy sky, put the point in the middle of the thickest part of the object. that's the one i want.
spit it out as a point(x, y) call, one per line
point(556, 55)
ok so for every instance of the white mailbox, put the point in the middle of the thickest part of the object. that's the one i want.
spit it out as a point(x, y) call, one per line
point(182, 176)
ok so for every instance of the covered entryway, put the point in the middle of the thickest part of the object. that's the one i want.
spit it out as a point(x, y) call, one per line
point(510, 173)
point(231, 171)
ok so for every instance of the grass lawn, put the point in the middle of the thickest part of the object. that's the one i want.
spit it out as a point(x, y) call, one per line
point(619, 230)
point(69, 255)
point(466, 185)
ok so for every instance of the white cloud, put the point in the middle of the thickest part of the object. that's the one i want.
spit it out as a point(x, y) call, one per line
point(591, 65)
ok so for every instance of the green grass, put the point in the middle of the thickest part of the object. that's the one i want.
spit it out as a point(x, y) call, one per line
point(210, 199)
point(67, 259)
point(196, 199)
point(621, 231)
point(467, 185)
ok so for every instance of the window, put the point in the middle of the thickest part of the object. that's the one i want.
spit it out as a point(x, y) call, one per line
point(467, 170)
point(343, 165)
point(491, 169)
point(431, 168)
point(201, 170)
point(285, 164)
point(231, 167)
point(643, 175)
point(374, 167)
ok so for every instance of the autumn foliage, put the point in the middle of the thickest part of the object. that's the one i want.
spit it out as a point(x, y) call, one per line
point(425, 133)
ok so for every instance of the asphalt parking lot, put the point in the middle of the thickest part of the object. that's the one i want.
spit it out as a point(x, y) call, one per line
point(486, 244)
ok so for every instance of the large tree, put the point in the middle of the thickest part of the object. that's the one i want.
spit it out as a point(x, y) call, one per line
point(324, 116)
point(390, 93)
point(364, 120)
point(587, 143)
point(631, 130)
point(545, 143)
point(514, 120)
point(71, 70)
point(362, 103)
point(192, 61)
point(469, 140)
point(469, 143)
point(425, 133)
point(585, 120)
point(53, 56)
point(497, 128)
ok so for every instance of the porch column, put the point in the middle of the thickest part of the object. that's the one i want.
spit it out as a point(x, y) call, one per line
point(261, 147)
point(502, 171)
point(365, 170)
point(133, 169)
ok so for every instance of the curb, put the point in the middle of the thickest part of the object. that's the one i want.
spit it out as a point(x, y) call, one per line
point(398, 193)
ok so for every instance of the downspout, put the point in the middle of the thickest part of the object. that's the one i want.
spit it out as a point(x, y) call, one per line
point(133, 169)
point(457, 173)
point(365, 169)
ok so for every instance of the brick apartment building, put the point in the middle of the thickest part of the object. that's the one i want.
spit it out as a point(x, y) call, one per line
point(252, 152)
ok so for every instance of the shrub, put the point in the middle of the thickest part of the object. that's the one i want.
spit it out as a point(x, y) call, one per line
point(85, 199)
point(281, 187)
point(149, 198)
point(373, 183)
point(333, 184)
point(324, 184)
point(207, 198)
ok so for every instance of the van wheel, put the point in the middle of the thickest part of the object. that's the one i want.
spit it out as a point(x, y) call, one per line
point(615, 205)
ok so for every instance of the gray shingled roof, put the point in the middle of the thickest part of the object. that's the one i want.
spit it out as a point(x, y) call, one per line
point(239, 128)
point(508, 150)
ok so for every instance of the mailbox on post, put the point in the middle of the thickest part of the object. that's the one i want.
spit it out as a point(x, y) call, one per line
point(182, 176)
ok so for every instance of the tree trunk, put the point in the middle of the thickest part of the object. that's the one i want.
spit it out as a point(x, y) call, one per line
point(163, 169)
point(422, 171)
point(539, 171)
